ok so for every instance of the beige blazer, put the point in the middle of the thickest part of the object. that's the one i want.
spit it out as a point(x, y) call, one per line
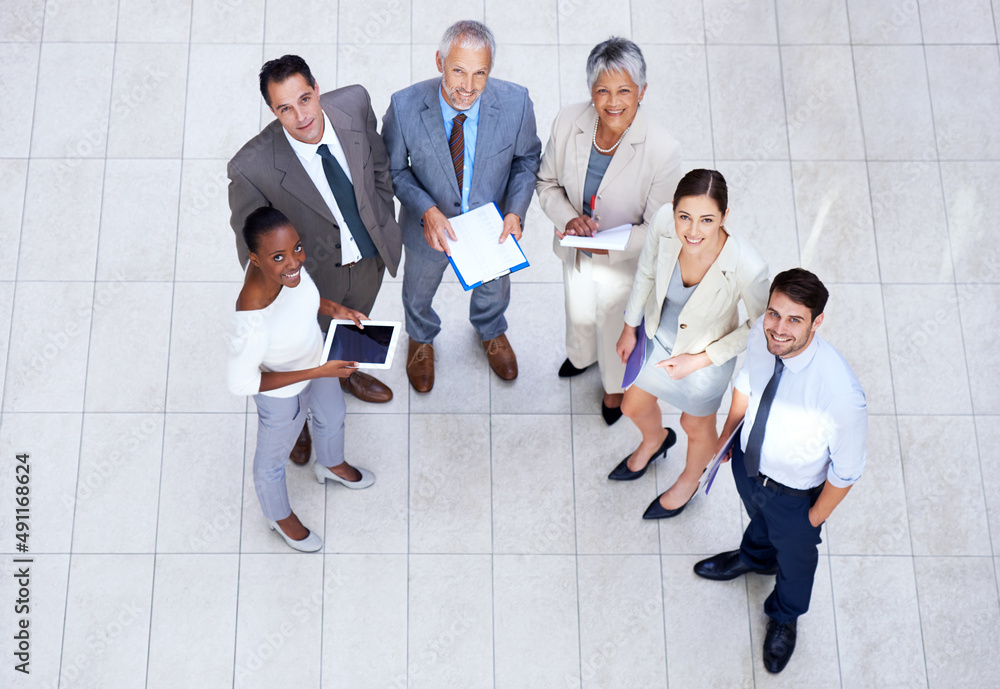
point(709, 322)
point(641, 177)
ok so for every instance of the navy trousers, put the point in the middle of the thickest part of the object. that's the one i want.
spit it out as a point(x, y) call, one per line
point(779, 535)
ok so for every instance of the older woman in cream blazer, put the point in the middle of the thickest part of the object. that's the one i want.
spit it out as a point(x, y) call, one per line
point(605, 165)
point(692, 275)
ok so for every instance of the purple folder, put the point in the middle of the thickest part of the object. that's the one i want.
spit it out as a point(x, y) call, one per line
point(637, 358)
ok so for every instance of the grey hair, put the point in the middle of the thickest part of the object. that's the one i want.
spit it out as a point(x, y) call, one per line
point(616, 55)
point(468, 34)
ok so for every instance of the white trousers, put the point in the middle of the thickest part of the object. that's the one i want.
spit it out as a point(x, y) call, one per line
point(595, 316)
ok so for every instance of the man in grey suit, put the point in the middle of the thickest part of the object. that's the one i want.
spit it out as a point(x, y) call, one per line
point(323, 165)
point(455, 144)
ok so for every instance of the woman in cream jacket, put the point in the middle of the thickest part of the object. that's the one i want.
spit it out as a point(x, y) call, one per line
point(605, 165)
point(691, 277)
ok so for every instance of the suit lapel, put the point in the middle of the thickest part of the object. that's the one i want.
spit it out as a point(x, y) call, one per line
point(668, 251)
point(438, 140)
point(487, 136)
point(626, 151)
point(716, 278)
point(582, 142)
point(296, 180)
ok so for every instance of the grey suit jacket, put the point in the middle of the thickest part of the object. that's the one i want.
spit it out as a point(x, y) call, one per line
point(507, 153)
point(266, 172)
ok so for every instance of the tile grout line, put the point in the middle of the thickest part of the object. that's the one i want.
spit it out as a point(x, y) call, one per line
point(659, 527)
point(477, 553)
point(975, 424)
point(798, 252)
point(166, 379)
point(27, 171)
point(881, 283)
point(90, 336)
point(163, 414)
point(572, 438)
point(326, 501)
point(961, 329)
point(410, 396)
point(899, 441)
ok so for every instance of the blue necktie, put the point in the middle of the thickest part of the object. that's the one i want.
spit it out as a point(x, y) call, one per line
point(751, 456)
point(343, 192)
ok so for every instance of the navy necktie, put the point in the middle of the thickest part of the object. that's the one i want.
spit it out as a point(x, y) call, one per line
point(751, 456)
point(343, 192)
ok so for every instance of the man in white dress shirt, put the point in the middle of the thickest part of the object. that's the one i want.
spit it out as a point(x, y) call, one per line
point(323, 164)
point(801, 448)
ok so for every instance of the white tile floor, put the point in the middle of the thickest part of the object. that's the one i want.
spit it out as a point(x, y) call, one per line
point(860, 139)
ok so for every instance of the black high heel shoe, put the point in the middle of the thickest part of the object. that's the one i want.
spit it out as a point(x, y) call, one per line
point(568, 370)
point(623, 473)
point(658, 511)
point(610, 414)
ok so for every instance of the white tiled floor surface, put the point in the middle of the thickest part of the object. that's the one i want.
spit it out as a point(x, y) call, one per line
point(860, 139)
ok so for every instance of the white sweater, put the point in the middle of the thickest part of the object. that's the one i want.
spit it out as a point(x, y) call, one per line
point(283, 336)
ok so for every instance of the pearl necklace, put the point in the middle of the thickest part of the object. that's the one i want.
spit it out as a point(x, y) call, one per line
point(607, 150)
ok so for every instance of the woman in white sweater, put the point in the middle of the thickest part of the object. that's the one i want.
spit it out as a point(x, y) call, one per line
point(275, 353)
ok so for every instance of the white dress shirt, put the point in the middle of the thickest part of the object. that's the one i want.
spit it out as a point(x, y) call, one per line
point(818, 425)
point(312, 161)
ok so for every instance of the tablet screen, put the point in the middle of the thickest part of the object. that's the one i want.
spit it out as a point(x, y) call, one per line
point(368, 346)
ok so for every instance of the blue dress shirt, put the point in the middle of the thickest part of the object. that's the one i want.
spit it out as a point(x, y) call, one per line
point(818, 425)
point(469, 130)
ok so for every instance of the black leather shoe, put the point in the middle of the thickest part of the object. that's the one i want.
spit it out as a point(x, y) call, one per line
point(623, 473)
point(778, 645)
point(568, 370)
point(726, 566)
point(610, 414)
point(658, 511)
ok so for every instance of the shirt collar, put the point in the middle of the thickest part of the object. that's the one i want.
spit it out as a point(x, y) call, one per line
point(800, 361)
point(450, 112)
point(308, 151)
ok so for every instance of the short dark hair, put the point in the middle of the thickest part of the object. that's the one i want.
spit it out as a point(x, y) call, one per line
point(262, 221)
point(702, 182)
point(802, 287)
point(276, 71)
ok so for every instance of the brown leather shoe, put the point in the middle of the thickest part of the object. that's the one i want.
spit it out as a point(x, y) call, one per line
point(501, 356)
point(366, 388)
point(420, 366)
point(302, 447)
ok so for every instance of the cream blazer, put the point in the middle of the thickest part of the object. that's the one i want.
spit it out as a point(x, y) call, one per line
point(709, 322)
point(641, 177)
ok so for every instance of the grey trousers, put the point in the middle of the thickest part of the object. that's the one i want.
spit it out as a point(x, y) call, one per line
point(279, 422)
point(422, 272)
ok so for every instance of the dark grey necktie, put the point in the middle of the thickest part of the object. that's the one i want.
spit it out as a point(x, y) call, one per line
point(343, 192)
point(751, 456)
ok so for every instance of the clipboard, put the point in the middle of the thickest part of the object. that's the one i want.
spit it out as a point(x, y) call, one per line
point(480, 228)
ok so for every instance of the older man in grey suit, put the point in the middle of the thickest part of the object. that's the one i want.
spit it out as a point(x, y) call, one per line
point(323, 165)
point(455, 144)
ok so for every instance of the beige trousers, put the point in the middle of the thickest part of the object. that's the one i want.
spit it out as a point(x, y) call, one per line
point(595, 315)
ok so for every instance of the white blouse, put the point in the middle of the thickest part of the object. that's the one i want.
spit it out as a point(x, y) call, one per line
point(283, 336)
